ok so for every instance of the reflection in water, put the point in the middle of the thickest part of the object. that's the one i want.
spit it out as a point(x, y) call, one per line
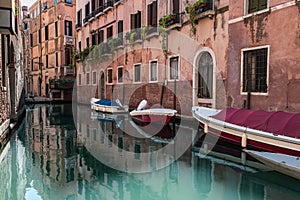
point(48, 159)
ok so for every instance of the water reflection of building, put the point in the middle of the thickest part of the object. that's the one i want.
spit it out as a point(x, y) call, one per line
point(52, 151)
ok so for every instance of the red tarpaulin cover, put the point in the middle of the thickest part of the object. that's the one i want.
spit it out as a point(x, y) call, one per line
point(281, 123)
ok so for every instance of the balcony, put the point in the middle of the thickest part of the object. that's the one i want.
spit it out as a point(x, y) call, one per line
point(69, 40)
point(68, 71)
point(202, 9)
point(117, 2)
point(170, 21)
point(86, 19)
point(98, 11)
point(7, 13)
point(78, 26)
point(108, 5)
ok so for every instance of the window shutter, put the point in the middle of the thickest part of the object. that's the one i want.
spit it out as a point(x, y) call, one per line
point(71, 27)
point(65, 27)
point(120, 26)
point(132, 21)
point(149, 14)
point(139, 19)
point(262, 4)
point(154, 13)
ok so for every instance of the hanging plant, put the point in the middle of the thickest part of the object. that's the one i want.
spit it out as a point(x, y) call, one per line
point(144, 32)
point(191, 9)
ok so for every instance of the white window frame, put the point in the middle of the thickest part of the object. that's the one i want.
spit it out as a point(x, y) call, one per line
point(136, 64)
point(246, 14)
point(107, 78)
point(87, 77)
point(94, 72)
point(150, 61)
point(118, 74)
point(242, 74)
point(169, 68)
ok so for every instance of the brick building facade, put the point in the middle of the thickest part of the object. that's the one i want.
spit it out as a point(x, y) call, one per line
point(131, 57)
point(52, 39)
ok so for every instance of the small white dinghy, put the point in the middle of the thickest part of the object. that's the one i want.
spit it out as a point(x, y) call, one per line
point(283, 163)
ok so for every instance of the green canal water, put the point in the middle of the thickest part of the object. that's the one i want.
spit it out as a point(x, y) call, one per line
point(48, 159)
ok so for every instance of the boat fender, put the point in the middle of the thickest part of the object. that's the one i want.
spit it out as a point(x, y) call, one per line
point(205, 128)
point(244, 140)
point(142, 105)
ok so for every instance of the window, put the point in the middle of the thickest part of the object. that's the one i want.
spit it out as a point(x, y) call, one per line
point(79, 16)
point(175, 6)
point(120, 30)
point(153, 71)
point(55, 29)
point(31, 40)
point(93, 5)
point(87, 42)
point(68, 28)
point(152, 14)
point(40, 36)
point(174, 68)
point(109, 76)
point(94, 76)
point(79, 79)
point(68, 1)
point(25, 25)
point(256, 5)
point(136, 20)
point(93, 39)
point(68, 56)
point(56, 59)
point(120, 74)
point(79, 46)
point(205, 74)
point(44, 6)
point(46, 33)
point(255, 70)
point(109, 32)
point(137, 73)
point(87, 9)
point(47, 61)
point(87, 79)
point(100, 36)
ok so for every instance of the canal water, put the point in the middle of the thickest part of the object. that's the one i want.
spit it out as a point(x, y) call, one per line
point(48, 159)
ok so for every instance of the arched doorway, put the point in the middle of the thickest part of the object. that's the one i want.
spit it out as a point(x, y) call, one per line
point(101, 86)
point(204, 78)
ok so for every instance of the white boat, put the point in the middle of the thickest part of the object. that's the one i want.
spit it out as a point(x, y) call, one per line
point(255, 129)
point(286, 164)
point(152, 115)
point(108, 106)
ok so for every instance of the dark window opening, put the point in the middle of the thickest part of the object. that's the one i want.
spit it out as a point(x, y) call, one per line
point(255, 71)
point(205, 76)
point(120, 75)
point(46, 33)
point(109, 76)
point(68, 28)
point(256, 5)
point(109, 32)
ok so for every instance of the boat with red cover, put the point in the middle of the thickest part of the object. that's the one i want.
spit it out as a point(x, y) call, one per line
point(277, 132)
point(152, 115)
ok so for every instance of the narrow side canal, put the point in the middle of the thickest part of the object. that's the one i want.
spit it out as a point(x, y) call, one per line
point(48, 159)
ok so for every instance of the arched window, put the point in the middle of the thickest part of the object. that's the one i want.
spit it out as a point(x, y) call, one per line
point(205, 76)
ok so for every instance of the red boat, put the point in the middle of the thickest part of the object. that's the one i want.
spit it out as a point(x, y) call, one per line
point(277, 132)
point(152, 115)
